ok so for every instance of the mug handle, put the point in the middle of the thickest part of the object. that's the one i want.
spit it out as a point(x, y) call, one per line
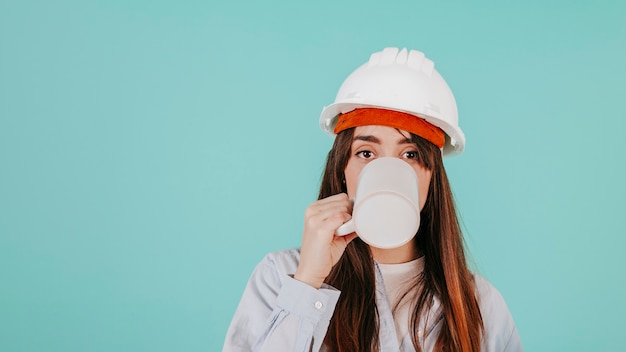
point(346, 229)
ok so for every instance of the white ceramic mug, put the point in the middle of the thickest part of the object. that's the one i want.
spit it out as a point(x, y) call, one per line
point(386, 206)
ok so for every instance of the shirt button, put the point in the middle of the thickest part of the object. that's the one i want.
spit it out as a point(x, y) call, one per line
point(318, 305)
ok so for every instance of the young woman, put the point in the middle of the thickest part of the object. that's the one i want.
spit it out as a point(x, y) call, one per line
point(338, 293)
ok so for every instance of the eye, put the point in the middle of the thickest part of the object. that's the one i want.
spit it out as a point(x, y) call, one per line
point(365, 154)
point(412, 154)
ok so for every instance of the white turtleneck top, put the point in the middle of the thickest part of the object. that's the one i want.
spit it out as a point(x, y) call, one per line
point(398, 278)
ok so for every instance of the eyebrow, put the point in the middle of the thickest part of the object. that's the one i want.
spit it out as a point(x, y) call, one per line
point(367, 139)
point(374, 139)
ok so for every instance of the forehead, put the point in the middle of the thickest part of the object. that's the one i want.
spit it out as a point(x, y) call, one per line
point(382, 132)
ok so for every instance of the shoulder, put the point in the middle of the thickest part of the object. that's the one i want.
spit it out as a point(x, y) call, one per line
point(276, 266)
point(489, 298)
point(500, 330)
point(285, 261)
point(270, 275)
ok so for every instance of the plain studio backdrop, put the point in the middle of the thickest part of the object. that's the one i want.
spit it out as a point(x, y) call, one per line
point(152, 152)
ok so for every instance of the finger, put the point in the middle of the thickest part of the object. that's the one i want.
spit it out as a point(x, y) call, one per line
point(350, 237)
point(320, 206)
point(328, 225)
point(331, 210)
point(336, 196)
point(333, 198)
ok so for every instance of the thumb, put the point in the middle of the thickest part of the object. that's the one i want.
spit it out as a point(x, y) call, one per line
point(350, 237)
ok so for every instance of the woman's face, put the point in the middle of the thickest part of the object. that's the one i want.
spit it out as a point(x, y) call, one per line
point(371, 142)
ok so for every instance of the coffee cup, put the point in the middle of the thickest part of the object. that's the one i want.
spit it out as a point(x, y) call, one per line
point(386, 205)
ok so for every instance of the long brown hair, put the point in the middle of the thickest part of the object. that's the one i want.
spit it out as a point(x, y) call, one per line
point(354, 325)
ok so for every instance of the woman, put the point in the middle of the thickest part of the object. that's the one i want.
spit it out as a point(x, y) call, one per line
point(338, 293)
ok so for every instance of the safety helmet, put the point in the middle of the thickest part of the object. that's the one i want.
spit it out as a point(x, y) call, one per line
point(404, 81)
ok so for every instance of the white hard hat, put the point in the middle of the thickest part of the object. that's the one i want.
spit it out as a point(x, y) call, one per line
point(402, 81)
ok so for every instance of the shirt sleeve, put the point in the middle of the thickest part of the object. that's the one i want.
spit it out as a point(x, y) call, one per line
point(278, 313)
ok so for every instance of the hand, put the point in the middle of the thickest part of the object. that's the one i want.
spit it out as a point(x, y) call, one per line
point(321, 249)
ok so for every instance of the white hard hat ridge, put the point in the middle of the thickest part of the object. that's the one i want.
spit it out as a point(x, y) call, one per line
point(404, 81)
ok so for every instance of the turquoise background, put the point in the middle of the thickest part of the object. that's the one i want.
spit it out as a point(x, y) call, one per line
point(152, 152)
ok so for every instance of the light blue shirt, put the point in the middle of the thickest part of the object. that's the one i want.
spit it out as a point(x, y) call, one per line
point(278, 313)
